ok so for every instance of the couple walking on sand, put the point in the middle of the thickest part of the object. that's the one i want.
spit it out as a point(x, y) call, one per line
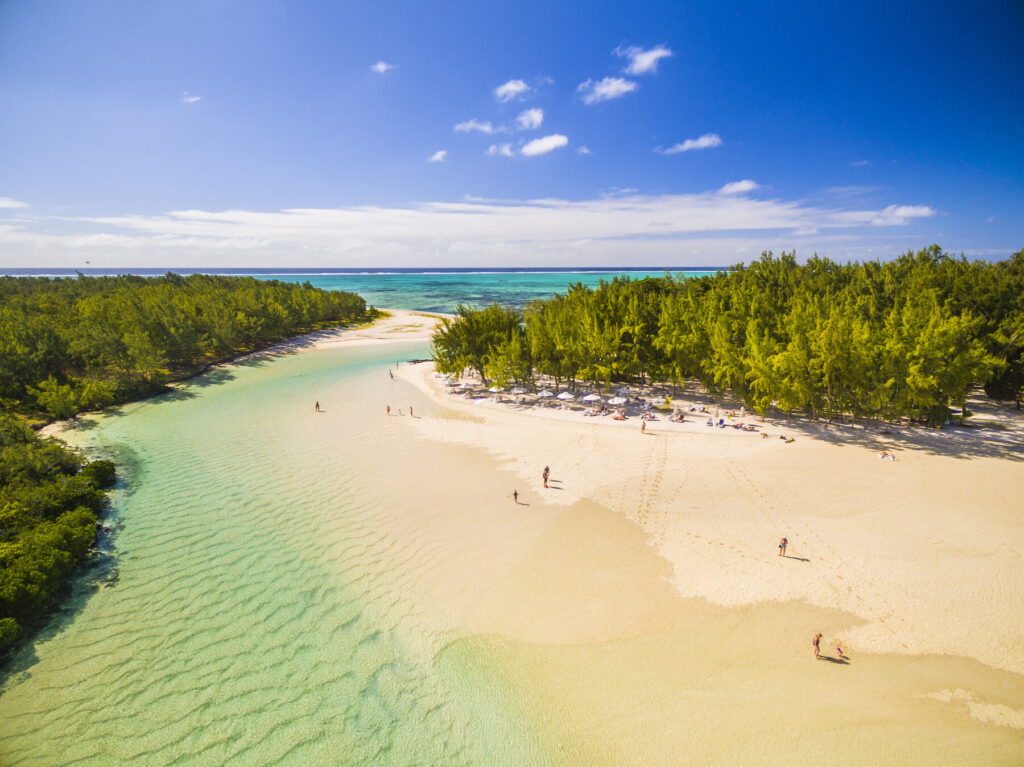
point(816, 641)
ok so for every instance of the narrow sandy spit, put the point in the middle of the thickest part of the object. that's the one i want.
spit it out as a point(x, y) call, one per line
point(642, 599)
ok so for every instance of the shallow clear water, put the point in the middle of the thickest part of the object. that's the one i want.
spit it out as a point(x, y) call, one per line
point(259, 613)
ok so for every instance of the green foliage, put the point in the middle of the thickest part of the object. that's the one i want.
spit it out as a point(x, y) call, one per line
point(68, 345)
point(478, 339)
point(48, 512)
point(909, 338)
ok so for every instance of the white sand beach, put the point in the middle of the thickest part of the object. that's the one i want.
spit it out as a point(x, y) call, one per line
point(646, 586)
point(636, 611)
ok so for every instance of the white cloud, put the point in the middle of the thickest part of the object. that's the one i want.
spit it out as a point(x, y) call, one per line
point(513, 89)
point(707, 141)
point(474, 124)
point(603, 90)
point(899, 215)
point(439, 156)
point(739, 187)
point(530, 119)
point(10, 203)
point(614, 229)
point(544, 145)
point(860, 163)
point(382, 67)
point(185, 97)
point(640, 61)
point(505, 150)
point(583, 150)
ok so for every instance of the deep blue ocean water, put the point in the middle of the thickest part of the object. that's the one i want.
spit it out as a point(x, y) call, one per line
point(437, 290)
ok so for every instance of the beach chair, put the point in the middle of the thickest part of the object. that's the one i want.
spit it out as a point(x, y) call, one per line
point(721, 423)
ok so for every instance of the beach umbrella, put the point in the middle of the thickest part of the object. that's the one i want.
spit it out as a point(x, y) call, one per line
point(494, 389)
point(623, 391)
point(566, 396)
point(545, 393)
point(592, 398)
point(617, 401)
point(519, 390)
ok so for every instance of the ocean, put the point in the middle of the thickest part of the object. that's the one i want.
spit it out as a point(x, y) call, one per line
point(430, 290)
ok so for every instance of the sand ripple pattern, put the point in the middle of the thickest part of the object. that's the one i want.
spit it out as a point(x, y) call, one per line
point(259, 616)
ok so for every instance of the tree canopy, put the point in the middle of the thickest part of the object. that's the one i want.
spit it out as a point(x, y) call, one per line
point(74, 344)
point(907, 338)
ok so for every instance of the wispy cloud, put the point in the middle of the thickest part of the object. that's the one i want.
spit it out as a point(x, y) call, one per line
point(899, 215)
point(9, 203)
point(582, 149)
point(739, 187)
point(642, 62)
point(860, 163)
point(707, 141)
point(474, 125)
point(383, 67)
point(190, 99)
point(505, 150)
point(595, 91)
point(513, 89)
point(530, 119)
point(544, 145)
point(439, 156)
point(698, 228)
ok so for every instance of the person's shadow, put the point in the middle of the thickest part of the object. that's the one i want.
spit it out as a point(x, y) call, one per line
point(838, 661)
point(798, 559)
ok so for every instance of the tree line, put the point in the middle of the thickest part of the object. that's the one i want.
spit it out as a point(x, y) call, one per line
point(68, 345)
point(903, 339)
point(74, 344)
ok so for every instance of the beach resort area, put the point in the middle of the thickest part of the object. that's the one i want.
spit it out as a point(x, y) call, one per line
point(644, 580)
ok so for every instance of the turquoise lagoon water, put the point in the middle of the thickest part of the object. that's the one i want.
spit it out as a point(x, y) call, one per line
point(441, 292)
point(254, 602)
point(254, 606)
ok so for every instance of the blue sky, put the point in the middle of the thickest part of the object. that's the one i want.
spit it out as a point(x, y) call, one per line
point(531, 133)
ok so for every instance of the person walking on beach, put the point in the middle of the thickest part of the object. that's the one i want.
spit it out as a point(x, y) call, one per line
point(547, 471)
point(391, 374)
point(515, 496)
point(316, 407)
point(388, 407)
point(643, 425)
point(410, 412)
point(782, 546)
point(839, 651)
point(814, 643)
